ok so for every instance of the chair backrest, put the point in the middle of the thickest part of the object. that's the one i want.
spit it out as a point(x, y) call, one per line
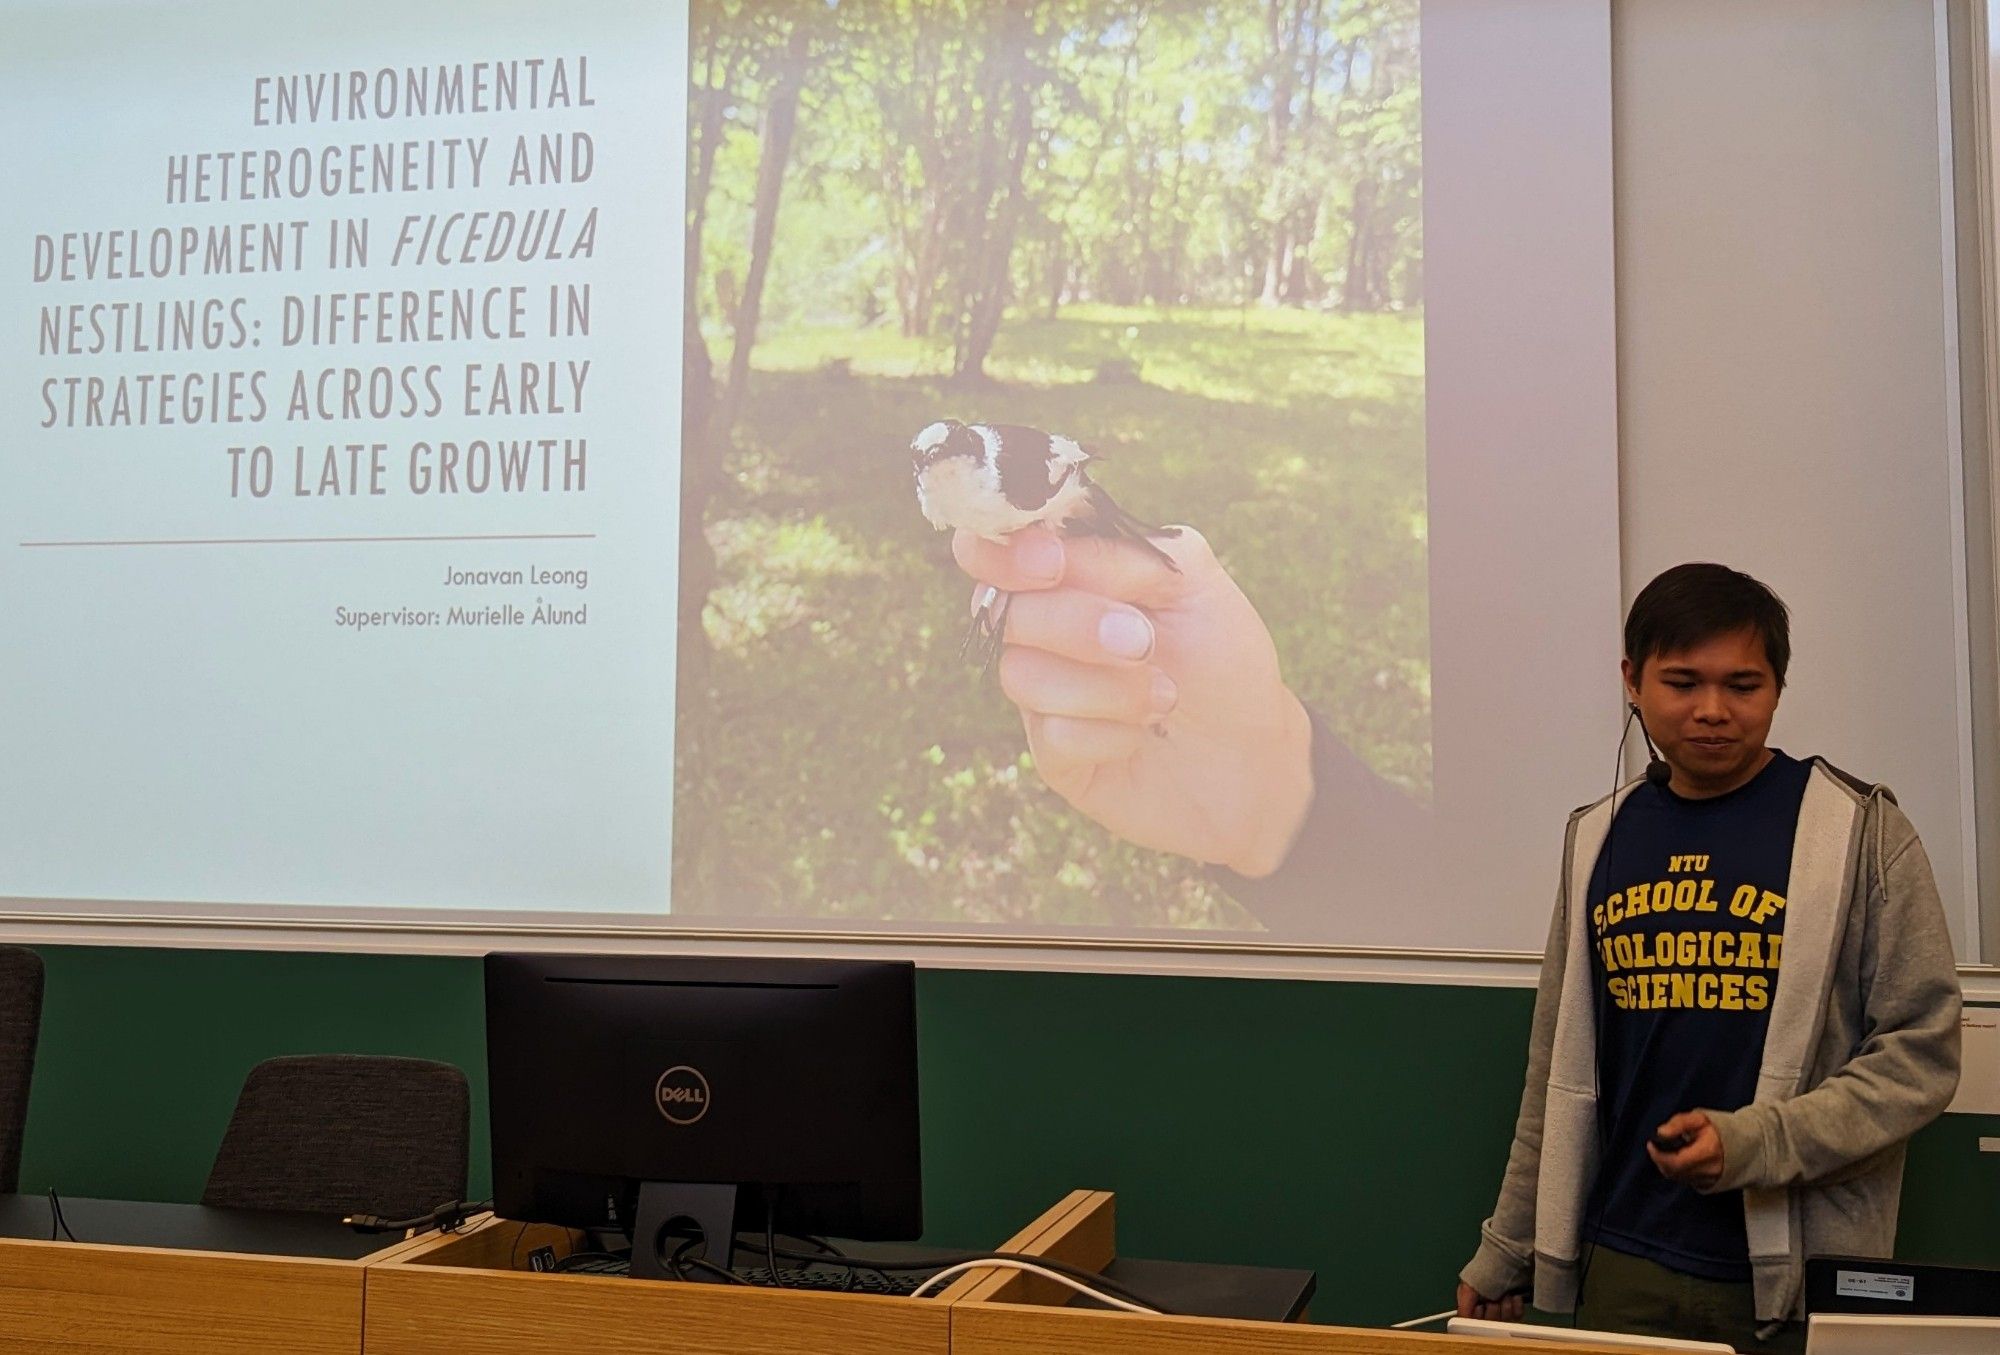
point(20, 1027)
point(345, 1134)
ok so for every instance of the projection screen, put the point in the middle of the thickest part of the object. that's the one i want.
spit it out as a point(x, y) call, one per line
point(458, 473)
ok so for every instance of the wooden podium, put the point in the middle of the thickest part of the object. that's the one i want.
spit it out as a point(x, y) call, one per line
point(470, 1293)
point(1018, 1314)
point(467, 1293)
point(82, 1298)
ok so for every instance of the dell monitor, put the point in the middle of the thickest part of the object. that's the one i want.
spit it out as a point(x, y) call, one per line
point(662, 1096)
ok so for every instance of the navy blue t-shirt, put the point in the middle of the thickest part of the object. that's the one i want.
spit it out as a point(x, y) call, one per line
point(1687, 914)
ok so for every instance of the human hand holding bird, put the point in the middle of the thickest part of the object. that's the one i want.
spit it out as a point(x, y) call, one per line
point(996, 479)
point(1105, 642)
point(1146, 681)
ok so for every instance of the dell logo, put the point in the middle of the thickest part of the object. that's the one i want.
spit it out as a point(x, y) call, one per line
point(681, 1094)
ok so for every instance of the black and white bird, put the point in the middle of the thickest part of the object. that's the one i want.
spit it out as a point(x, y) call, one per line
point(993, 479)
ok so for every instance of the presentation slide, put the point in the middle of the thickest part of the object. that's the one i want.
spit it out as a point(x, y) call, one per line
point(590, 464)
point(339, 483)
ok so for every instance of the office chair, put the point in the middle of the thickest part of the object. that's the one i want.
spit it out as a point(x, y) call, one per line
point(345, 1134)
point(20, 1027)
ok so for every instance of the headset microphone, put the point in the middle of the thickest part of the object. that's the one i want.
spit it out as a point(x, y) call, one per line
point(1658, 773)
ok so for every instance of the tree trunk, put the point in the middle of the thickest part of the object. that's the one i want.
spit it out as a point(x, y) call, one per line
point(1302, 222)
point(1058, 274)
point(972, 212)
point(1357, 289)
point(701, 470)
point(714, 96)
point(1177, 232)
point(780, 122)
point(701, 460)
point(987, 300)
point(1284, 36)
point(1360, 290)
point(924, 272)
point(1146, 262)
point(910, 127)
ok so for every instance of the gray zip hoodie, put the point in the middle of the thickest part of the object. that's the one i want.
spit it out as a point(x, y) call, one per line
point(1861, 1052)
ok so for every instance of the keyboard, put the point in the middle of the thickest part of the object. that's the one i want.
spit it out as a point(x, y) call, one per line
point(818, 1278)
point(595, 1265)
point(897, 1282)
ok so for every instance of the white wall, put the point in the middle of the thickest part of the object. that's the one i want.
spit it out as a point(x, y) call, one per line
point(1784, 386)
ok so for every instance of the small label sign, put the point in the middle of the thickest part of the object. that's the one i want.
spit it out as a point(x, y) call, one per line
point(1863, 1284)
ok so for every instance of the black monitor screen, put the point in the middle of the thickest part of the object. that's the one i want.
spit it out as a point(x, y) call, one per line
point(794, 1080)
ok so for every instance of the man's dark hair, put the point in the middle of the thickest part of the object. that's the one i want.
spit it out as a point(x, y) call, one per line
point(1692, 603)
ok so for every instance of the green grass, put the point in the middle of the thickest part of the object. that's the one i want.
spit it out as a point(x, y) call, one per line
point(853, 760)
point(1277, 359)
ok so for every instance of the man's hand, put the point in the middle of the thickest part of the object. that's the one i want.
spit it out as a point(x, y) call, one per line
point(1698, 1162)
point(1471, 1303)
point(1152, 699)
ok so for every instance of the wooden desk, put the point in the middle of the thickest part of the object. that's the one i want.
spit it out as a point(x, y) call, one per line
point(1010, 1313)
point(465, 1295)
point(470, 1294)
point(1011, 1329)
point(110, 1298)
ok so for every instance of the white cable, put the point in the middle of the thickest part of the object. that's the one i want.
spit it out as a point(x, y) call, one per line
point(1444, 1316)
point(950, 1272)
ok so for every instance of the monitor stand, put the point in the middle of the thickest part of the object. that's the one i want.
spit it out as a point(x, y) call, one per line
point(669, 1213)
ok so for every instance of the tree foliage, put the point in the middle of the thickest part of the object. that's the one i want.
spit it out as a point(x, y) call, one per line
point(956, 157)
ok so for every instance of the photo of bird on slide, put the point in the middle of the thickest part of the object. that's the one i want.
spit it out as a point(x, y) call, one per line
point(1139, 291)
point(993, 479)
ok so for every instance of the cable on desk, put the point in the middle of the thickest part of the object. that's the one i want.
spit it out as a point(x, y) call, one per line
point(1028, 1268)
point(1089, 1277)
point(1444, 1316)
point(56, 1219)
